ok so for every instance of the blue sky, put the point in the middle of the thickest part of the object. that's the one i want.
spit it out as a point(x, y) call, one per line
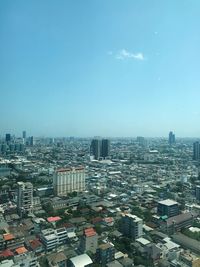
point(108, 68)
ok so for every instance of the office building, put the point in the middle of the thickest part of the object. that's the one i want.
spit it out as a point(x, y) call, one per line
point(89, 241)
point(24, 197)
point(95, 148)
point(168, 208)
point(196, 150)
point(172, 139)
point(105, 148)
point(69, 180)
point(100, 148)
point(105, 254)
point(24, 134)
point(131, 226)
point(197, 192)
point(32, 141)
point(8, 138)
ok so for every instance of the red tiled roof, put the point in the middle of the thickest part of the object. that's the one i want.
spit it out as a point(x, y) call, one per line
point(53, 219)
point(6, 253)
point(21, 250)
point(8, 237)
point(89, 232)
point(35, 243)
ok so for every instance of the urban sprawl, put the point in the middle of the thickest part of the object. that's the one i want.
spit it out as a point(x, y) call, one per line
point(113, 202)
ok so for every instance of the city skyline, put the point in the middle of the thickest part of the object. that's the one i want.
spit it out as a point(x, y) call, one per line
point(114, 69)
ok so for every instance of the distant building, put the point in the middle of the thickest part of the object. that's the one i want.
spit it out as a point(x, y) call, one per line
point(141, 141)
point(69, 180)
point(168, 207)
point(24, 134)
point(105, 254)
point(172, 139)
point(32, 141)
point(8, 138)
point(100, 148)
point(197, 192)
point(105, 148)
point(131, 226)
point(24, 197)
point(196, 150)
point(95, 148)
point(89, 241)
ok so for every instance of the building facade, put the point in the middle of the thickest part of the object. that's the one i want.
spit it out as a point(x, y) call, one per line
point(131, 226)
point(196, 151)
point(69, 180)
point(100, 148)
point(168, 208)
point(89, 241)
point(24, 197)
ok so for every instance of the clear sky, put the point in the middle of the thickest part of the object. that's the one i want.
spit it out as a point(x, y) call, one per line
point(100, 67)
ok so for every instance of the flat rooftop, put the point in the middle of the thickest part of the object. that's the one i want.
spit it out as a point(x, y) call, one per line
point(168, 202)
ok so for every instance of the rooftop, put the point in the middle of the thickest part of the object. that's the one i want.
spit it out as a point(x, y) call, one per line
point(168, 202)
point(81, 260)
point(21, 250)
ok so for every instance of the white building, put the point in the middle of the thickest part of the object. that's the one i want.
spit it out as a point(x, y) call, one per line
point(69, 180)
point(24, 197)
point(53, 238)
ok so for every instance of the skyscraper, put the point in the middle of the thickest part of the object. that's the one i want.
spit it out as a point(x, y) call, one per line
point(8, 138)
point(24, 197)
point(100, 148)
point(172, 138)
point(24, 134)
point(196, 150)
point(95, 148)
point(105, 148)
point(32, 141)
point(69, 180)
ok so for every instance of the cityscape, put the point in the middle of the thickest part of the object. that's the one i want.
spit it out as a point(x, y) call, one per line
point(99, 201)
point(99, 133)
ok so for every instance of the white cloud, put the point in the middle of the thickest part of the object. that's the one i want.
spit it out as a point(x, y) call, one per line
point(124, 54)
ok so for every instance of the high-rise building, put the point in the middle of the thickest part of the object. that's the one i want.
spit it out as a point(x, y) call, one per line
point(24, 134)
point(131, 226)
point(69, 180)
point(172, 139)
point(100, 148)
point(105, 148)
point(197, 192)
point(24, 197)
point(95, 148)
point(8, 137)
point(32, 141)
point(196, 150)
point(89, 241)
point(168, 207)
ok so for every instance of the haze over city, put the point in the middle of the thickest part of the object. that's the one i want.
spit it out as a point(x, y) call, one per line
point(109, 68)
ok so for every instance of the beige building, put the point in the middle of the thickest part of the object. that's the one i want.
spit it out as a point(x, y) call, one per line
point(69, 180)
